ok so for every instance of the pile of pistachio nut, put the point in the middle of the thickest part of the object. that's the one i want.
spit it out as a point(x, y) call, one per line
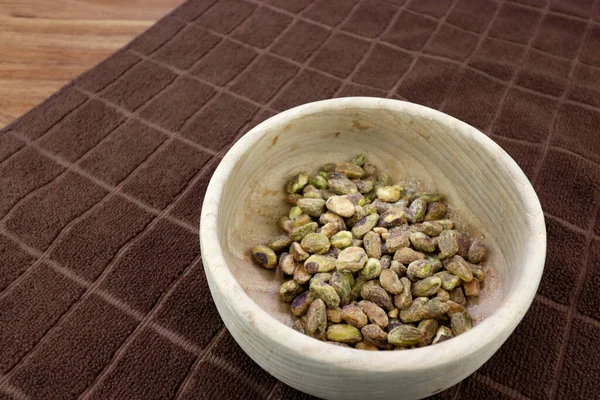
point(372, 265)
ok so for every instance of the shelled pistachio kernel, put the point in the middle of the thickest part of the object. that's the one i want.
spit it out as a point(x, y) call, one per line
point(264, 256)
point(296, 183)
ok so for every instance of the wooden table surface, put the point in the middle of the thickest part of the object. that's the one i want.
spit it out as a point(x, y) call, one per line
point(44, 44)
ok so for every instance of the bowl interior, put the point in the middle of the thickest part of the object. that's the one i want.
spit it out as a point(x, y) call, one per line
point(415, 146)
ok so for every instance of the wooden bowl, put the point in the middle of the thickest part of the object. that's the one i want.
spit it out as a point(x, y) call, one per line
point(489, 195)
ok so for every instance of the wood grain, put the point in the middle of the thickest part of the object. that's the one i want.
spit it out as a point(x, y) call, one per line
point(45, 44)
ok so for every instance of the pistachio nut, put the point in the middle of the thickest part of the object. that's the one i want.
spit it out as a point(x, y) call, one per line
point(406, 255)
point(458, 296)
point(460, 323)
point(404, 335)
point(478, 274)
point(357, 199)
point(374, 313)
point(351, 259)
point(364, 225)
point(370, 169)
point(416, 211)
point(313, 194)
point(287, 264)
point(312, 207)
point(364, 186)
point(388, 194)
point(359, 213)
point(428, 328)
point(329, 229)
point(477, 252)
point(448, 243)
point(341, 240)
point(459, 267)
point(295, 212)
point(369, 209)
point(316, 320)
point(264, 257)
point(471, 288)
point(373, 291)
point(390, 281)
point(342, 186)
point(300, 304)
point(350, 169)
point(366, 346)
point(381, 207)
point(443, 333)
point(325, 292)
point(318, 181)
point(285, 223)
point(342, 284)
point(336, 175)
point(357, 243)
point(333, 252)
point(298, 252)
point(334, 315)
point(356, 288)
point(343, 333)
point(301, 276)
point(398, 268)
point(419, 269)
point(443, 295)
point(359, 159)
point(293, 198)
point(397, 239)
point(301, 220)
point(328, 167)
point(454, 308)
point(392, 217)
point(280, 243)
point(403, 300)
point(422, 242)
point(435, 308)
point(427, 287)
point(315, 243)
point(319, 263)
point(447, 224)
point(299, 232)
point(393, 324)
point(463, 245)
point(330, 217)
point(449, 281)
point(321, 277)
point(299, 326)
point(430, 197)
point(393, 313)
point(371, 270)
point(386, 261)
point(435, 263)
point(435, 211)
point(414, 313)
point(296, 183)
point(430, 228)
point(289, 290)
point(373, 333)
point(372, 244)
point(340, 205)
point(354, 316)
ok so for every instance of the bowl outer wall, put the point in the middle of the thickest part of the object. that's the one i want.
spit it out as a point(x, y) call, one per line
point(287, 354)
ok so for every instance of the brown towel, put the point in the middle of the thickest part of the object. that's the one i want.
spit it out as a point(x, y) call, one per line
point(102, 291)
